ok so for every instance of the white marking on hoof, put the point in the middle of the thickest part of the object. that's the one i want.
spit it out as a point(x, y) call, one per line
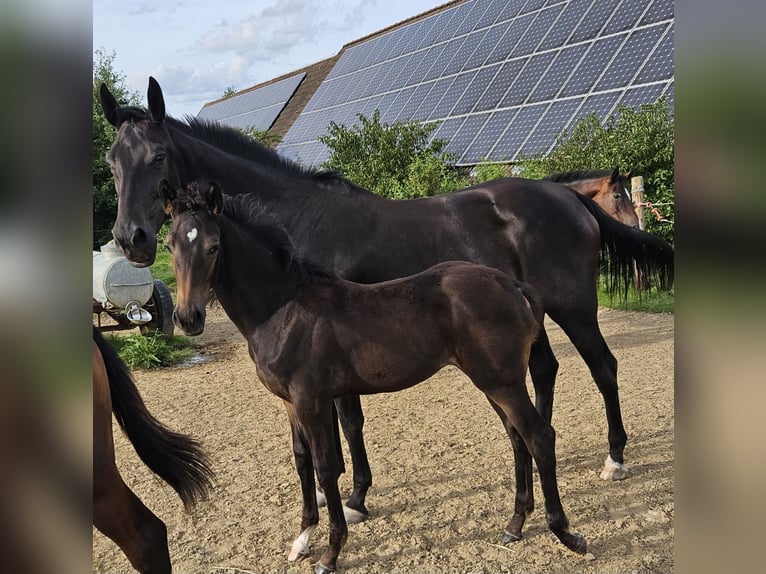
point(300, 548)
point(321, 499)
point(353, 516)
point(613, 470)
point(192, 235)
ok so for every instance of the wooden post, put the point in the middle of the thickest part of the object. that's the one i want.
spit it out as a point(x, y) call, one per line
point(637, 194)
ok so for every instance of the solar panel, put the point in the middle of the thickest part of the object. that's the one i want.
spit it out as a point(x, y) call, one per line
point(502, 77)
point(255, 108)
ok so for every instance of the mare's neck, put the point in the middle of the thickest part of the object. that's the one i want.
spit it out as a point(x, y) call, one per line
point(236, 175)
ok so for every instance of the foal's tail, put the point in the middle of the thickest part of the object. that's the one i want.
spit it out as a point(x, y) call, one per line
point(176, 458)
point(627, 251)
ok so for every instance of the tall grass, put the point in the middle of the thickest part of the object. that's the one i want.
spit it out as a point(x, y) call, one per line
point(162, 268)
point(652, 301)
point(150, 352)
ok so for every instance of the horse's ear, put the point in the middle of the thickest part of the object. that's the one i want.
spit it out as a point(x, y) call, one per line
point(615, 175)
point(109, 105)
point(156, 101)
point(168, 196)
point(628, 174)
point(214, 198)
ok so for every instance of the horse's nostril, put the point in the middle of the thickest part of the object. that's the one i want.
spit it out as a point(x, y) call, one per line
point(139, 236)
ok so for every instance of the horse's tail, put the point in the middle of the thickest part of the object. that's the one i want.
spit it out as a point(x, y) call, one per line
point(627, 253)
point(176, 458)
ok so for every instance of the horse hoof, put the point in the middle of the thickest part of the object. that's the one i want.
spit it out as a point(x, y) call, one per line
point(509, 537)
point(576, 543)
point(300, 548)
point(321, 499)
point(613, 470)
point(320, 568)
point(298, 554)
point(354, 516)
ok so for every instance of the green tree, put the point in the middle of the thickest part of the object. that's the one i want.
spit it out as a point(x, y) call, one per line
point(393, 160)
point(229, 91)
point(641, 141)
point(487, 171)
point(104, 196)
point(263, 136)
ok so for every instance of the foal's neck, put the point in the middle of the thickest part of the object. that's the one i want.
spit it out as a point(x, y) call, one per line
point(252, 282)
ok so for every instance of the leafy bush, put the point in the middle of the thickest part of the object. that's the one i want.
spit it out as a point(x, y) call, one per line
point(393, 160)
point(641, 141)
point(150, 352)
point(486, 171)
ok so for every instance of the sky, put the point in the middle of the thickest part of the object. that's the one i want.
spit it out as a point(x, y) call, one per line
point(196, 49)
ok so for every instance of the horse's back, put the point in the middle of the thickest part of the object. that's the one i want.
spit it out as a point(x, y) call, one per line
point(536, 230)
point(486, 293)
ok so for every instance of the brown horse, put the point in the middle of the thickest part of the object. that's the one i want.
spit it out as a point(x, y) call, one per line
point(178, 459)
point(314, 337)
point(607, 188)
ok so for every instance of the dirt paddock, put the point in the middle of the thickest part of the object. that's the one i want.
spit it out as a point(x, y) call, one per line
point(442, 468)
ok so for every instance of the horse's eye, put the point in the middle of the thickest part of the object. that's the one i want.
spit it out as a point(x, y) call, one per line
point(159, 159)
point(213, 250)
point(617, 196)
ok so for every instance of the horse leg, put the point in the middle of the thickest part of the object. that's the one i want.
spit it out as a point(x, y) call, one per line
point(540, 440)
point(587, 339)
point(352, 421)
point(305, 467)
point(316, 420)
point(543, 368)
point(119, 514)
point(525, 502)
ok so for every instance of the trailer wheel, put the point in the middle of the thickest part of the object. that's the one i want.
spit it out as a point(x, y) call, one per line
point(161, 308)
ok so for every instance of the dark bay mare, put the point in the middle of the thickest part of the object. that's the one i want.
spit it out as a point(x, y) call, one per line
point(540, 232)
point(607, 188)
point(314, 337)
point(177, 459)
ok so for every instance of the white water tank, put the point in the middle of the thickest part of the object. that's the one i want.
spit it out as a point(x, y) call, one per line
point(116, 282)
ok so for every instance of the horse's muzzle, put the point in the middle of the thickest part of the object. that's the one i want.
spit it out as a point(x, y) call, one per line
point(191, 321)
point(139, 247)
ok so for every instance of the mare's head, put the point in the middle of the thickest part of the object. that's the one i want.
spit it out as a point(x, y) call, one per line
point(194, 240)
point(614, 198)
point(141, 159)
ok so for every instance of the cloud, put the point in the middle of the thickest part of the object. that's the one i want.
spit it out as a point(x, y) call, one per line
point(141, 10)
point(265, 34)
point(356, 16)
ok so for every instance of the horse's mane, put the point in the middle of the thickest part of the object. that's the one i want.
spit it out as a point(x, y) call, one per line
point(251, 214)
point(234, 142)
point(570, 176)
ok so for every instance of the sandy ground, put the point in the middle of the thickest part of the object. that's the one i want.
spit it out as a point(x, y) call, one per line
point(441, 462)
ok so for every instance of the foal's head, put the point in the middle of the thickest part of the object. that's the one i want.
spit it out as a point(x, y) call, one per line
point(194, 240)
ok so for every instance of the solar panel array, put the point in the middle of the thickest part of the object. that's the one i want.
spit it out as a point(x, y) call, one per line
point(503, 77)
point(256, 108)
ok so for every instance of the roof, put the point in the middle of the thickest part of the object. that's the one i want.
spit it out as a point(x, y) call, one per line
point(502, 77)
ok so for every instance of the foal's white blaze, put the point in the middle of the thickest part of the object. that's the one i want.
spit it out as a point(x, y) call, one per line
point(300, 548)
point(192, 235)
point(613, 470)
